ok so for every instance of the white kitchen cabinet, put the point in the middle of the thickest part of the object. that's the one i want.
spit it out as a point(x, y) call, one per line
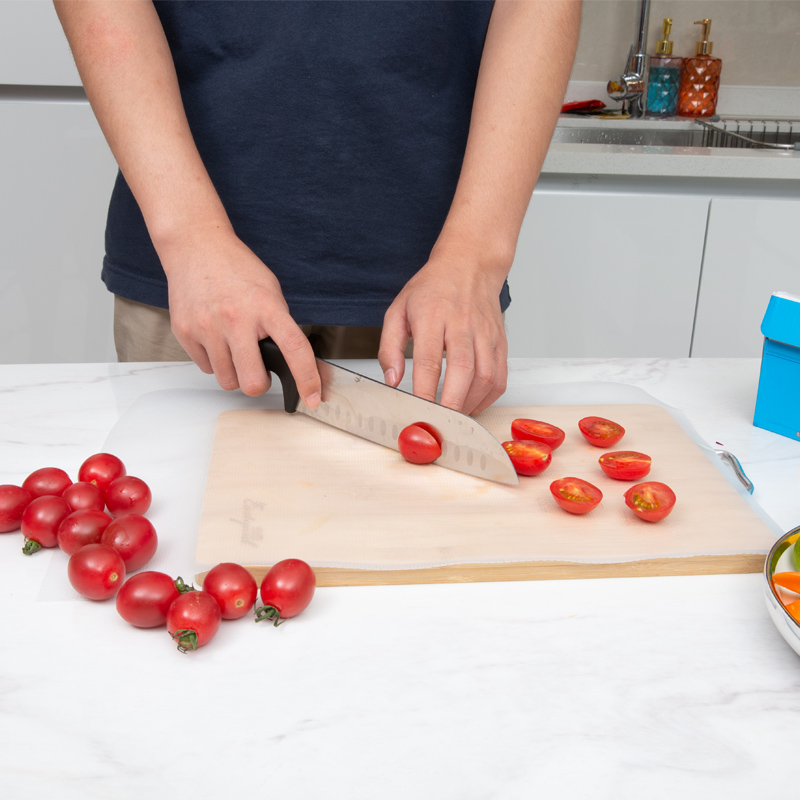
point(603, 272)
point(751, 251)
point(33, 48)
point(56, 176)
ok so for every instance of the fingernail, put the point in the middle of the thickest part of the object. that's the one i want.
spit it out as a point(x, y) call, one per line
point(313, 400)
point(390, 376)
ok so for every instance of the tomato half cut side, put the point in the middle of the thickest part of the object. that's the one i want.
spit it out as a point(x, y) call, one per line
point(625, 465)
point(529, 458)
point(576, 495)
point(601, 432)
point(535, 430)
point(650, 501)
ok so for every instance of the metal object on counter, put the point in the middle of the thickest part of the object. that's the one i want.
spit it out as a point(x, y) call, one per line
point(374, 411)
point(787, 626)
point(768, 134)
point(737, 468)
point(630, 86)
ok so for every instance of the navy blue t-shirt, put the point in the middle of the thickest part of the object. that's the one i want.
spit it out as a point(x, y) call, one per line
point(334, 134)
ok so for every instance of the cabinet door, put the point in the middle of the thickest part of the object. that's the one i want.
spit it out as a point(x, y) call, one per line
point(606, 275)
point(751, 252)
point(33, 48)
point(57, 175)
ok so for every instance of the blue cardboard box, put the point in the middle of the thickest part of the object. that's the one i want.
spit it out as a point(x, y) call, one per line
point(778, 400)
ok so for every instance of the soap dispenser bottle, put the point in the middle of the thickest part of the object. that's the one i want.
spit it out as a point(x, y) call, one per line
point(664, 78)
point(700, 79)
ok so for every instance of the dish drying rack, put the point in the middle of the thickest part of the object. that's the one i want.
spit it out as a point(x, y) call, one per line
point(772, 134)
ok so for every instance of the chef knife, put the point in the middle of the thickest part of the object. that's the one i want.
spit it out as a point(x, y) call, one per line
point(377, 412)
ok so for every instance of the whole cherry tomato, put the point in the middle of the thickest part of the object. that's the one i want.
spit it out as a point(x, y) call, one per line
point(534, 430)
point(233, 587)
point(100, 469)
point(80, 528)
point(530, 457)
point(127, 495)
point(625, 465)
point(40, 521)
point(600, 432)
point(83, 495)
point(575, 495)
point(46, 481)
point(651, 501)
point(145, 598)
point(420, 443)
point(133, 537)
point(13, 501)
point(96, 571)
point(193, 619)
point(286, 590)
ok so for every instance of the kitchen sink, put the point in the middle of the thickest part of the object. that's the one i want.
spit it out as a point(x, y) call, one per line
point(717, 132)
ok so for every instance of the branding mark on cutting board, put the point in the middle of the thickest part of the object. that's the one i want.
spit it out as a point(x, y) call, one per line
point(252, 532)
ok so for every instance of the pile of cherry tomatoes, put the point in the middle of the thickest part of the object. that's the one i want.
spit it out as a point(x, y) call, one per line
point(531, 452)
point(99, 522)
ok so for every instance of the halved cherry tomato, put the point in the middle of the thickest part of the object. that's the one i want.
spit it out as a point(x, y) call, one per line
point(651, 501)
point(286, 590)
point(529, 458)
point(100, 469)
point(83, 495)
point(575, 495)
point(193, 619)
point(600, 432)
point(13, 501)
point(145, 598)
point(127, 495)
point(233, 587)
point(625, 465)
point(46, 481)
point(80, 528)
point(420, 443)
point(96, 571)
point(526, 430)
point(788, 580)
point(40, 521)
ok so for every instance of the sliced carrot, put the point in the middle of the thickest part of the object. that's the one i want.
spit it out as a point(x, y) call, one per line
point(789, 580)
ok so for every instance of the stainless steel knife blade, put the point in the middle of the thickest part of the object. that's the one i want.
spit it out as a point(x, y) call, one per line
point(377, 412)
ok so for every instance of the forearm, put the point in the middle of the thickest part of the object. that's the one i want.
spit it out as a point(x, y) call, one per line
point(528, 54)
point(127, 70)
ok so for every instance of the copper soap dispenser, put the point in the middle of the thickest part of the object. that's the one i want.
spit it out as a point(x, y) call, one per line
point(699, 89)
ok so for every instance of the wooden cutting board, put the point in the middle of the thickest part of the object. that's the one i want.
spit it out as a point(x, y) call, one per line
point(287, 486)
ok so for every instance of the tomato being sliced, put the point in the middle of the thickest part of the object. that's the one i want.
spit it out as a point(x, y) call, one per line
point(535, 430)
point(650, 501)
point(625, 465)
point(529, 458)
point(601, 432)
point(576, 495)
point(420, 443)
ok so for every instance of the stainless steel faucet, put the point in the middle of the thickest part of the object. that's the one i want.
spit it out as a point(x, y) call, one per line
point(630, 86)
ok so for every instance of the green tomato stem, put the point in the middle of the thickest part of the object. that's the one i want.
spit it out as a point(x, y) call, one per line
point(31, 547)
point(269, 613)
point(186, 639)
point(183, 587)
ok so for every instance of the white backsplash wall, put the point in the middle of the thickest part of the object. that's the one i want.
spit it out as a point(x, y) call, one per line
point(757, 41)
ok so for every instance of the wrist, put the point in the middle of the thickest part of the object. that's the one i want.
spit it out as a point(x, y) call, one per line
point(489, 258)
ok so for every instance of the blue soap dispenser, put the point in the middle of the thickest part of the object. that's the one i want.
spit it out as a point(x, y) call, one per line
point(664, 79)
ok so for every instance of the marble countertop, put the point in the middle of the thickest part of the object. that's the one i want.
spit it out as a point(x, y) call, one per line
point(608, 688)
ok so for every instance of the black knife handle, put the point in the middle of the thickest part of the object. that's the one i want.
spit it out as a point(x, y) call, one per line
point(275, 362)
